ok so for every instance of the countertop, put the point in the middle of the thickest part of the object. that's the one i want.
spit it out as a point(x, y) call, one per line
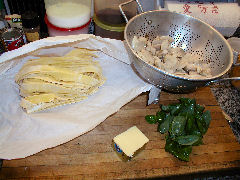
point(91, 155)
point(228, 99)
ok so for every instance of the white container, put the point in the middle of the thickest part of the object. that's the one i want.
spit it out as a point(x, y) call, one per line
point(67, 17)
point(58, 31)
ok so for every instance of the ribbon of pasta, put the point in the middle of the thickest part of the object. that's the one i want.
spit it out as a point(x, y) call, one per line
point(49, 82)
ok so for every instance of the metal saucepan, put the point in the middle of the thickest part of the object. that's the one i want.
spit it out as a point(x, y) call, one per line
point(191, 34)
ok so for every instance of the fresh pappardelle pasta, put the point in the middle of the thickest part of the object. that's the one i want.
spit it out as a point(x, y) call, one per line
point(49, 82)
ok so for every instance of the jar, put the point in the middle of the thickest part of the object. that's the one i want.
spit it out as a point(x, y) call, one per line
point(108, 11)
point(67, 16)
point(57, 31)
point(31, 26)
point(109, 22)
point(108, 31)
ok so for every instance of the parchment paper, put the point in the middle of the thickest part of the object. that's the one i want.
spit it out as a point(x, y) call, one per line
point(23, 134)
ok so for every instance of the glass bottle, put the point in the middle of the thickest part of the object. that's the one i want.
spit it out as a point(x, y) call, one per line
point(109, 22)
point(31, 26)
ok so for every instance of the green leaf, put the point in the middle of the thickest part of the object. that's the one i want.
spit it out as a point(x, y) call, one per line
point(201, 124)
point(190, 124)
point(187, 140)
point(151, 119)
point(184, 123)
point(166, 108)
point(190, 109)
point(199, 142)
point(187, 101)
point(200, 108)
point(191, 127)
point(160, 116)
point(196, 132)
point(207, 118)
point(179, 151)
point(164, 127)
point(177, 126)
point(176, 109)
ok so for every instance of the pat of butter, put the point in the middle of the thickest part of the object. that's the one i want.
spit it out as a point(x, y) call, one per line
point(130, 141)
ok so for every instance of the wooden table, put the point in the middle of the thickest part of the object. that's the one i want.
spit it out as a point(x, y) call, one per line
point(91, 156)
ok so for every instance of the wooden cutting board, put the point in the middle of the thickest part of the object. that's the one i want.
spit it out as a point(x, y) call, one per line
point(91, 156)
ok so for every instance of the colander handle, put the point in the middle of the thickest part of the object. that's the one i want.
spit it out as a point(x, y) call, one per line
point(125, 3)
point(223, 79)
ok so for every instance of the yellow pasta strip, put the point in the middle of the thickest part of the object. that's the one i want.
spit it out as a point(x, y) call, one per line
point(49, 82)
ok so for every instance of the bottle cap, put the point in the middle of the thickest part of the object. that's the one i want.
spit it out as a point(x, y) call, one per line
point(30, 19)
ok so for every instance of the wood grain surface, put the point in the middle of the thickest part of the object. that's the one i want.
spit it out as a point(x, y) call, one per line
point(91, 156)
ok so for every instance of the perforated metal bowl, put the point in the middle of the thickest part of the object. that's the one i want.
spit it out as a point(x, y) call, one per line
point(190, 34)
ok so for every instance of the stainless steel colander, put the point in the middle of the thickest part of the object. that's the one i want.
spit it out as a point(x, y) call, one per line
point(190, 34)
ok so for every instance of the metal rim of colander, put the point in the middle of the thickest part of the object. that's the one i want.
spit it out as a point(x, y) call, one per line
point(172, 75)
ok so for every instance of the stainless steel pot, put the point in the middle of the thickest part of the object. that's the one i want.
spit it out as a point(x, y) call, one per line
point(190, 34)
